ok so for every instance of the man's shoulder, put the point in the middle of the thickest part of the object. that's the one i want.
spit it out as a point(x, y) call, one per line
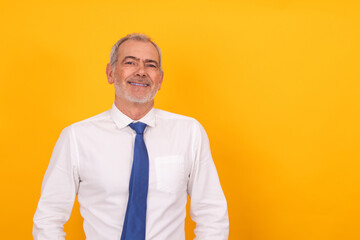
point(177, 119)
point(178, 122)
point(162, 114)
point(101, 117)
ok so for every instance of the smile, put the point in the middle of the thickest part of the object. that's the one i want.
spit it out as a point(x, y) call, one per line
point(139, 84)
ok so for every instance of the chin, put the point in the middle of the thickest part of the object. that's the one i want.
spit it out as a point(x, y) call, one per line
point(142, 100)
point(147, 98)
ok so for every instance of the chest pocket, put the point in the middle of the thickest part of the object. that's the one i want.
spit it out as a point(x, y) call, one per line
point(170, 174)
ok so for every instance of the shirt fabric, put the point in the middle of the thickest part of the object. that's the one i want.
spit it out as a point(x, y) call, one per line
point(93, 158)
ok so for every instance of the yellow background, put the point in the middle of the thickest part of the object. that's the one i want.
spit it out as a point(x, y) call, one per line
point(274, 83)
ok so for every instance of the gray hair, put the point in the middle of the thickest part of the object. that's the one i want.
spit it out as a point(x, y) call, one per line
point(134, 36)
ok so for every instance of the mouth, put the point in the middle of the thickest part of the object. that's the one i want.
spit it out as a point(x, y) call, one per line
point(139, 84)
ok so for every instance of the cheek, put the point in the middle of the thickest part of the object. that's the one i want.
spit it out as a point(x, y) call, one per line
point(123, 74)
point(156, 77)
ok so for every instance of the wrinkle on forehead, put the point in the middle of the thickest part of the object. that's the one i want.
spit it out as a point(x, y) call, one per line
point(138, 49)
point(138, 59)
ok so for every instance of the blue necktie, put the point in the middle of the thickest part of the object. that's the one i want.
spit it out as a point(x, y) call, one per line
point(135, 219)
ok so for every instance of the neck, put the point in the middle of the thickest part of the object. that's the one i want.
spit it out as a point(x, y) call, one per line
point(133, 110)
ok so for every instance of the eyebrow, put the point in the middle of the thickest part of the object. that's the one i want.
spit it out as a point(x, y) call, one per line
point(137, 59)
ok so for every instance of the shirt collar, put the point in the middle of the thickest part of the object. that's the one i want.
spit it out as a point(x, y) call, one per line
point(121, 120)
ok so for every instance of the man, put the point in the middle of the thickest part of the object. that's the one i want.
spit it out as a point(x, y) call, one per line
point(133, 166)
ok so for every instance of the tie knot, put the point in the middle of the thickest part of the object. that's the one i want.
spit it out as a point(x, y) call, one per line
point(138, 127)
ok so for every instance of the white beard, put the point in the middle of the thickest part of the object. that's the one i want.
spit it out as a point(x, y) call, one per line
point(121, 92)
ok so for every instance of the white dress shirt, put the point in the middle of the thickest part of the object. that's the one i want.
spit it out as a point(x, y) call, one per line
point(93, 158)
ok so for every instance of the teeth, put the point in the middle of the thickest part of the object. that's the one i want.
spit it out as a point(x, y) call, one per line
point(139, 84)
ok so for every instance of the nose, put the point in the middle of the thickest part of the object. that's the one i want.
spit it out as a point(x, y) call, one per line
point(141, 70)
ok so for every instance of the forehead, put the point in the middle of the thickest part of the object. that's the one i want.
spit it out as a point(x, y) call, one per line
point(138, 49)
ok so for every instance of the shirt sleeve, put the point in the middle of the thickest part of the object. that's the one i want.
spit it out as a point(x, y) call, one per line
point(208, 204)
point(58, 190)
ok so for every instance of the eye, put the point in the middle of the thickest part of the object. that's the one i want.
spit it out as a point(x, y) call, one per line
point(129, 63)
point(152, 65)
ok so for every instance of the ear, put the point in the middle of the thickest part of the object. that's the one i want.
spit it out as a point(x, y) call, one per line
point(161, 80)
point(110, 73)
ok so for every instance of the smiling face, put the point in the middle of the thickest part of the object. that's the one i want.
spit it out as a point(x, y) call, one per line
point(136, 75)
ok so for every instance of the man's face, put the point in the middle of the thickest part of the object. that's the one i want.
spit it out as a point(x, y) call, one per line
point(136, 76)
